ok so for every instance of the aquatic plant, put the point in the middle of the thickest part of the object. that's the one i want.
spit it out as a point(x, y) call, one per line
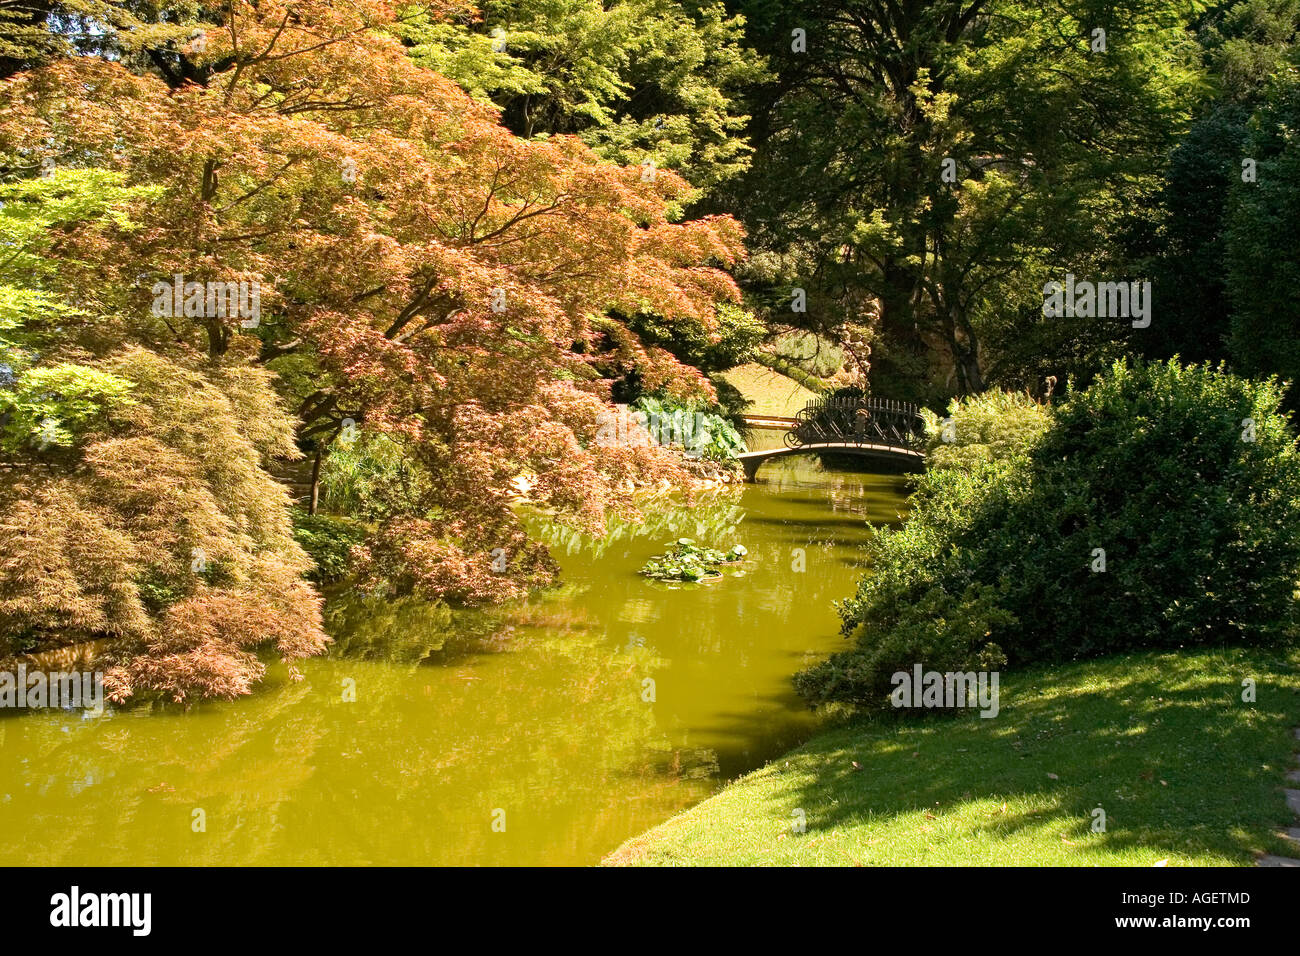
point(686, 561)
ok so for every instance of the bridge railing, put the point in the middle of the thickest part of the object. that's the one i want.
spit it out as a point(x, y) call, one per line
point(858, 421)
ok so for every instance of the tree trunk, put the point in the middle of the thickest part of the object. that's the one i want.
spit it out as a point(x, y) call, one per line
point(315, 481)
point(965, 356)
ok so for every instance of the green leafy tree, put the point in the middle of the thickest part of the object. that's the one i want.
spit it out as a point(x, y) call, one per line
point(1262, 248)
point(731, 341)
point(140, 32)
point(45, 405)
point(1249, 53)
point(640, 81)
point(942, 160)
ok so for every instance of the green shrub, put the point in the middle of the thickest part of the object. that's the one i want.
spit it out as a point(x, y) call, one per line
point(328, 542)
point(1187, 477)
point(983, 428)
point(731, 341)
point(371, 477)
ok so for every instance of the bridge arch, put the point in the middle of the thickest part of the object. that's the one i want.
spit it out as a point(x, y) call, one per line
point(883, 430)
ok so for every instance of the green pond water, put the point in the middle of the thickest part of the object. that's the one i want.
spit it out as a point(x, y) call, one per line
point(517, 735)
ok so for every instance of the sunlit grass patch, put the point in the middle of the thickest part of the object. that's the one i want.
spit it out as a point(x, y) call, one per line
point(1184, 770)
point(771, 392)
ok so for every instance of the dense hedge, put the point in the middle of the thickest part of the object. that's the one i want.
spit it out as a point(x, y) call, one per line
point(1188, 479)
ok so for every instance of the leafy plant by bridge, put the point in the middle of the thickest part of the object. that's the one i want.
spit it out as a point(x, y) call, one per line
point(702, 433)
point(983, 428)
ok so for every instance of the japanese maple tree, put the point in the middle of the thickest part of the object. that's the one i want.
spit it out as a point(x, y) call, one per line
point(422, 273)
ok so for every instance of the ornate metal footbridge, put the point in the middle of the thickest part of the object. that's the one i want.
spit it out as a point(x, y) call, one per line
point(878, 429)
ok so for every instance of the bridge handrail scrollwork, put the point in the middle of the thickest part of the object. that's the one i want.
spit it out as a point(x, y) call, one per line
point(858, 421)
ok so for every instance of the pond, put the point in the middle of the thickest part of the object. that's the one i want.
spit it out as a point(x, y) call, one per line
point(547, 732)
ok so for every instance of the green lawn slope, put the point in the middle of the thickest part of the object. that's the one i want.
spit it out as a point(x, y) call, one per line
point(771, 392)
point(1185, 771)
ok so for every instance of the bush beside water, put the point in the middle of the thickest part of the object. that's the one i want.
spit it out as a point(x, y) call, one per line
point(1187, 478)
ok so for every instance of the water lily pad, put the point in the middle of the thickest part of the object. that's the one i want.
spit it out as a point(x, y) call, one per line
point(686, 561)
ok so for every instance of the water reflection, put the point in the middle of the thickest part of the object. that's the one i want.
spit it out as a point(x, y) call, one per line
point(586, 714)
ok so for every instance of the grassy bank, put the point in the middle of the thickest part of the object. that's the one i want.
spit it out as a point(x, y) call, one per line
point(1162, 742)
point(770, 392)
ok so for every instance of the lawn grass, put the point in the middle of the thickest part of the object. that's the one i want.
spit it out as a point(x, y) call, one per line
point(770, 392)
point(1185, 771)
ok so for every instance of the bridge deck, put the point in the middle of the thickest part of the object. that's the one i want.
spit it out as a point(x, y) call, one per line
point(833, 446)
point(750, 460)
point(769, 421)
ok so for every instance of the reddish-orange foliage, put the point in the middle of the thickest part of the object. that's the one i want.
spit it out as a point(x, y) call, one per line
point(443, 281)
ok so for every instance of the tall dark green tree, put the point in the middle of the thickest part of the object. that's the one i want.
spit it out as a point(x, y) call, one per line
point(942, 159)
point(1248, 48)
point(1262, 244)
